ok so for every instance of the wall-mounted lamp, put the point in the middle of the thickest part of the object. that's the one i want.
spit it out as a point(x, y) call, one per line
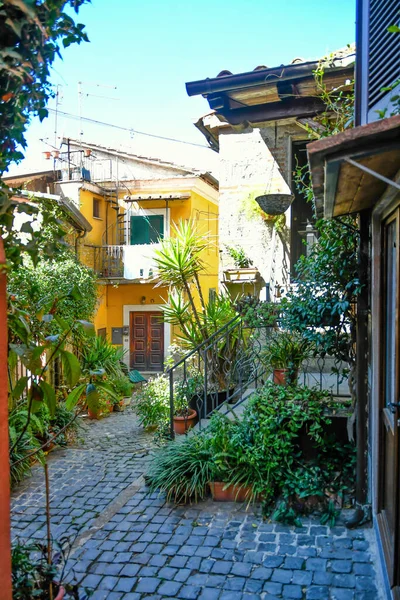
point(152, 300)
point(143, 300)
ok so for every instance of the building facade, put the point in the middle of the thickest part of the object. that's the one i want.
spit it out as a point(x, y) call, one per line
point(358, 172)
point(129, 203)
point(260, 124)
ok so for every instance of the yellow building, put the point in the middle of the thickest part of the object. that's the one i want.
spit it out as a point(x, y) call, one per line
point(131, 203)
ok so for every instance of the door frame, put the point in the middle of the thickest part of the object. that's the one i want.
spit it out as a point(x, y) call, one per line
point(128, 308)
point(387, 206)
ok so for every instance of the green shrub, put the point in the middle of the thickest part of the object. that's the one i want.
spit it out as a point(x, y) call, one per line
point(152, 402)
point(121, 386)
point(20, 462)
point(182, 469)
point(261, 450)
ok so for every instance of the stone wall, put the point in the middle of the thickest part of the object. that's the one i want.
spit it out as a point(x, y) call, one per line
point(245, 159)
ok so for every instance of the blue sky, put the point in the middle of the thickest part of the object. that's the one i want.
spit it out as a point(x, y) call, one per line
point(148, 50)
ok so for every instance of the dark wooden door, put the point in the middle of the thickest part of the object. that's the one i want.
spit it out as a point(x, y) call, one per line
point(388, 517)
point(146, 341)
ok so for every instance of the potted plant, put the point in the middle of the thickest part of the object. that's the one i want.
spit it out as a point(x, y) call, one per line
point(244, 270)
point(284, 353)
point(230, 473)
point(35, 573)
point(184, 416)
point(122, 388)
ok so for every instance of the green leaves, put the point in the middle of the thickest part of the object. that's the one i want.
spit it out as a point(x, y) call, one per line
point(49, 397)
point(71, 368)
point(74, 396)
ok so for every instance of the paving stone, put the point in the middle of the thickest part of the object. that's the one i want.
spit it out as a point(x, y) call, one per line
point(147, 549)
point(261, 573)
point(147, 585)
point(189, 592)
point(231, 596)
point(292, 591)
point(317, 593)
point(341, 594)
point(240, 568)
point(234, 583)
point(272, 587)
point(169, 588)
point(293, 562)
point(125, 584)
point(209, 594)
point(346, 581)
point(221, 567)
point(302, 577)
point(182, 575)
point(365, 583)
point(282, 575)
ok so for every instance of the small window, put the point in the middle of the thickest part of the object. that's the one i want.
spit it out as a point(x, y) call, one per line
point(147, 229)
point(212, 294)
point(96, 208)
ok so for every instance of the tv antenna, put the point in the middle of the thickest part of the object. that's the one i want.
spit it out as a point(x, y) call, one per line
point(83, 94)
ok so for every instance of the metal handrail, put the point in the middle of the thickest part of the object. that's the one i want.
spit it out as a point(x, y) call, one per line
point(200, 346)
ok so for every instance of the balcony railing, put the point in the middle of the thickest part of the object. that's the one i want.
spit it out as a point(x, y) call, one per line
point(109, 262)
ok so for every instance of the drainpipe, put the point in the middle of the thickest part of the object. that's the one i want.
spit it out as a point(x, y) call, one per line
point(5, 538)
point(79, 236)
point(362, 512)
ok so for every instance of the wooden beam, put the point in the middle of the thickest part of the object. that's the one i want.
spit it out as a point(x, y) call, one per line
point(292, 107)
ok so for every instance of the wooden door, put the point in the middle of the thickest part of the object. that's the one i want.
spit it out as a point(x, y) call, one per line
point(388, 517)
point(146, 341)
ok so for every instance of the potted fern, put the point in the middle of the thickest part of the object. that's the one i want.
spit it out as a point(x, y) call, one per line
point(285, 352)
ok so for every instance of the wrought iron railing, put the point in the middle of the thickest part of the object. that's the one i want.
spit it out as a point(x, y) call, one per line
point(108, 261)
point(228, 367)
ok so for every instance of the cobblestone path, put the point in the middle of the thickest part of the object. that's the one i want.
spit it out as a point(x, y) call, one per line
point(131, 545)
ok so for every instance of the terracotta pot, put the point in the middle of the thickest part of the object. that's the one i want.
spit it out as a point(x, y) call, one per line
point(93, 414)
point(231, 493)
point(283, 377)
point(60, 594)
point(182, 424)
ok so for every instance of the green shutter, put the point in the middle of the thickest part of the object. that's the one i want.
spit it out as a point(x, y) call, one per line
point(147, 229)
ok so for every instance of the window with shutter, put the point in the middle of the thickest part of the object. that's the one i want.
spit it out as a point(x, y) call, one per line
point(384, 48)
point(147, 229)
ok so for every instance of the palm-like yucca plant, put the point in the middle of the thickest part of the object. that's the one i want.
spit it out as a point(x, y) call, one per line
point(179, 265)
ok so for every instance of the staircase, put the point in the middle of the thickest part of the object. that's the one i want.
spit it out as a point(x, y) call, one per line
point(227, 368)
point(222, 371)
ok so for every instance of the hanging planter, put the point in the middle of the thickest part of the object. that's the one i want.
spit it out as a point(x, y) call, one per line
point(274, 204)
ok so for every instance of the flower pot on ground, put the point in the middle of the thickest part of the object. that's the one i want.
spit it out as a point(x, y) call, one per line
point(93, 414)
point(61, 593)
point(284, 376)
point(119, 406)
point(283, 354)
point(183, 423)
point(223, 492)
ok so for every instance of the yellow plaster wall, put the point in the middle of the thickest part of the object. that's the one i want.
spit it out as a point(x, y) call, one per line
point(98, 224)
point(113, 298)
